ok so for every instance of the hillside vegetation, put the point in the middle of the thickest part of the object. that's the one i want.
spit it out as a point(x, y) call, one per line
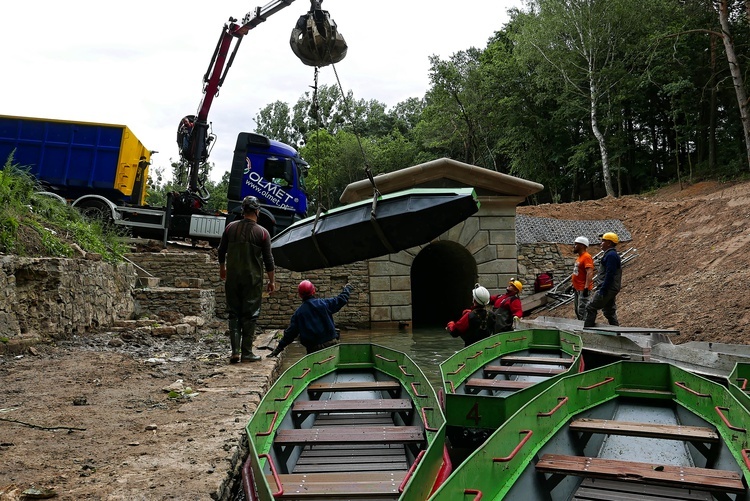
point(37, 225)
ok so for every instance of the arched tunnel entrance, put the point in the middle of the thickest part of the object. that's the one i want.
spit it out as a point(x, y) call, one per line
point(442, 277)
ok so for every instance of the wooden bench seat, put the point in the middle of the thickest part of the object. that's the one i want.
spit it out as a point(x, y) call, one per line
point(513, 359)
point(648, 473)
point(380, 485)
point(364, 405)
point(648, 430)
point(317, 389)
point(509, 370)
point(497, 384)
point(614, 490)
point(351, 434)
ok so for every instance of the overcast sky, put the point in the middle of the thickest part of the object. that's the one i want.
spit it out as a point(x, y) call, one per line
point(140, 63)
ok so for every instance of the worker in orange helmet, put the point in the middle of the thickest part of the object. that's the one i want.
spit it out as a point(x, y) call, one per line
point(609, 277)
point(507, 307)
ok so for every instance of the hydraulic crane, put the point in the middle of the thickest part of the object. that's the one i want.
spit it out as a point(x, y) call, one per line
point(315, 40)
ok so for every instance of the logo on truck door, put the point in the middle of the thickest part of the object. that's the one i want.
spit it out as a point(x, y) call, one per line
point(274, 193)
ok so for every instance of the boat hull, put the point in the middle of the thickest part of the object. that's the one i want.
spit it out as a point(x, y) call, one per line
point(354, 232)
point(350, 421)
point(546, 452)
point(483, 386)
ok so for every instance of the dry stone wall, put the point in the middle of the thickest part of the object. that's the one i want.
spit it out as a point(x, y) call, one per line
point(543, 257)
point(48, 298)
point(171, 267)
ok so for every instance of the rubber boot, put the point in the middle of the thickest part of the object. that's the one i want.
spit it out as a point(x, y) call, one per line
point(248, 334)
point(235, 339)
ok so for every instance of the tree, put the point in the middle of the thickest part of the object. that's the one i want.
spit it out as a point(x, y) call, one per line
point(592, 45)
point(274, 121)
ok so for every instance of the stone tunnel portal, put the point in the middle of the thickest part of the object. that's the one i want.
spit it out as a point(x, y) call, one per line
point(442, 277)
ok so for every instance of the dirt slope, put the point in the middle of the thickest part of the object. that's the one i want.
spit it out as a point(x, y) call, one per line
point(693, 268)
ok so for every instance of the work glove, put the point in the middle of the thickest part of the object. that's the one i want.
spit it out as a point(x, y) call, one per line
point(274, 353)
point(450, 325)
point(585, 293)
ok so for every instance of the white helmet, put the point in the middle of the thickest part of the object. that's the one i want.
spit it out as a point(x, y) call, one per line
point(481, 295)
point(582, 240)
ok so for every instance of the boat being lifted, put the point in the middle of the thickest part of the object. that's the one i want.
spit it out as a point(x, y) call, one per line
point(368, 229)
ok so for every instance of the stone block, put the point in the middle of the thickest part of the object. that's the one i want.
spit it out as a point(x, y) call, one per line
point(498, 266)
point(506, 251)
point(390, 298)
point(402, 257)
point(470, 228)
point(401, 283)
point(503, 237)
point(497, 223)
point(185, 282)
point(388, 268)
point(402, 313)
point(380, 314)
point(480, 241)
point(380, 284)
point(486, 254)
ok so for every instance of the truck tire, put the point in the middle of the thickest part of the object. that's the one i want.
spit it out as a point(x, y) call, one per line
point(96, 210)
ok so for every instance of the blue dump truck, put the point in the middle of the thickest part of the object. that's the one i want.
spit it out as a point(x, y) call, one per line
point(102, 169)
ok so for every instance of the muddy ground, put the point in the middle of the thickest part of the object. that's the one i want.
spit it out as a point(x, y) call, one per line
point(90, 418)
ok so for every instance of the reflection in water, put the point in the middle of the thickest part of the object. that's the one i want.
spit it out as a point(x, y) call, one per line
point(427, 347)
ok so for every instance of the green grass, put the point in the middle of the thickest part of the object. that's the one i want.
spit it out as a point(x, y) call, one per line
point(36, 225)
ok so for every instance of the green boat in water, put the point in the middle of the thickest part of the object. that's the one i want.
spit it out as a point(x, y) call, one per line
point(628, 430)
point(487, 382)
point(353, 421)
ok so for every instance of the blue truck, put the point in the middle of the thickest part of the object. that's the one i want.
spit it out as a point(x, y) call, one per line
point(102, 169)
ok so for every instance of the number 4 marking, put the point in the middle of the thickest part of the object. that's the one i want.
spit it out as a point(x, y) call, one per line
point(473, 414)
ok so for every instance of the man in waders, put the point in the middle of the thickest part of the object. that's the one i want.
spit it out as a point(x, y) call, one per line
point(246, 248)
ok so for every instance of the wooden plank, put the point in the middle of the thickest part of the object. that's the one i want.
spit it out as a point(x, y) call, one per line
point(352, 467)
point(497, 384)
point(338, 485)
point(596, 489)
point(354, 386)
point(514, 359)
point(359, 435)
point(510, 370)
point(648, 473)
point(353, 420)
point(648, 430)
point(363, 405)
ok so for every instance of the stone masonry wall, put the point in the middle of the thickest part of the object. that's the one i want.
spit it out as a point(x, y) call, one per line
point(543, 257)
point(276, 309)
point(48, 298)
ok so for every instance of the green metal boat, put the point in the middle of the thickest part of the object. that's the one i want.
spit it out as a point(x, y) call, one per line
point(353, 421)
point(629, 430)
point(487, 382)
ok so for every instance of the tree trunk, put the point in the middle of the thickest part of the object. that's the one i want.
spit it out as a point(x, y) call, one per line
point(606, 175)
point(734, 68)
point(712, 110)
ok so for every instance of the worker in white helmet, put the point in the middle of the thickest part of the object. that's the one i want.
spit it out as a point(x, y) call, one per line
point(583, 277)
point(476, 323)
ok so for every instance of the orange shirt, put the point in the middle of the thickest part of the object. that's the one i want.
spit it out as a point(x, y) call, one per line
point(583, 263)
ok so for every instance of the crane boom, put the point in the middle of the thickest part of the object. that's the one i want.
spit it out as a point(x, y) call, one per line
point(193, 132)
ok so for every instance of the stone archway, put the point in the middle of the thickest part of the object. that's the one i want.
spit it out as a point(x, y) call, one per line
point(442, 276)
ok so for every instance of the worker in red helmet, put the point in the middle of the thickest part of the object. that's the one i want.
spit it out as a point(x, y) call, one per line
point(313, 320)
point(244, 254)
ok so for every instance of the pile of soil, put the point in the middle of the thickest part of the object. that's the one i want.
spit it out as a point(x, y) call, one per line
point(693, 265)
point(691, 274)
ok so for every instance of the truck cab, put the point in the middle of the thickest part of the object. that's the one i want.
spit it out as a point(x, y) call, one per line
point(272, 171)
